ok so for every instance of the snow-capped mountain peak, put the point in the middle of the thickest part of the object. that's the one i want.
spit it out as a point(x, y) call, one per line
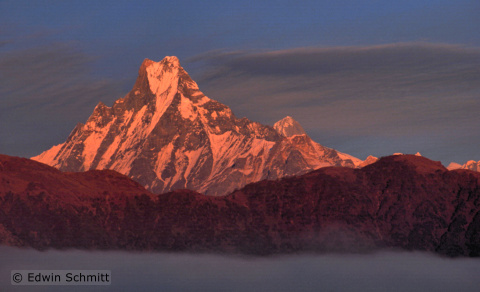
point(453, 166)
point(472, 165)
point(288, 127)
point(166, 134)
point(370, 160)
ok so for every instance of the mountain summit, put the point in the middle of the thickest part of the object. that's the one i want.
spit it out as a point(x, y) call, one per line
point(288, 127)
point(166, 135)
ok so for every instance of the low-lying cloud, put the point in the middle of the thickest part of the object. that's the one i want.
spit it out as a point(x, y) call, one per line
point(384, 271)
point(410, 96)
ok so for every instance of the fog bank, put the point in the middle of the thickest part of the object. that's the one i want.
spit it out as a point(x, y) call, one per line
point(384, 271)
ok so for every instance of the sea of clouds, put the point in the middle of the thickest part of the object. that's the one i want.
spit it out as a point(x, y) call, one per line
point(382, 271)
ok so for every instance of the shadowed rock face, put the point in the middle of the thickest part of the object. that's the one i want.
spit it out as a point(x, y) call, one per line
point(403, 202)
point(167, 135)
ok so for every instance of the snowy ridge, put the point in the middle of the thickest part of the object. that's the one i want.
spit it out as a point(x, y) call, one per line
point(472, 165)
point(166, 134)
point(288, 127)
point(370, 159)
point(453, 166)
point(163, 80)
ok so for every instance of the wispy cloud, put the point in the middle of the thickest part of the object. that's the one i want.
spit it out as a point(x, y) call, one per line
point(393, 92)
point(44, 92)
point(381, 99)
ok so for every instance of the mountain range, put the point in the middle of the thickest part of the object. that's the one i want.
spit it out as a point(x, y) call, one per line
point(167, 168)
point(471, 165)
point(402, 201)
point(167, 135)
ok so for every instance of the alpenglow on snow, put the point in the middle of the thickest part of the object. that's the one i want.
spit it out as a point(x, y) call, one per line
point(166, 134)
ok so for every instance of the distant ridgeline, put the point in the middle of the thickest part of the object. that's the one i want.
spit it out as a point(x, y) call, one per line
point(405, 201)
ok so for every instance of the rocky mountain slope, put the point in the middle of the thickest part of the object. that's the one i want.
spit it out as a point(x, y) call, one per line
point(41, 206)
point(403, 201)
point(166, 135)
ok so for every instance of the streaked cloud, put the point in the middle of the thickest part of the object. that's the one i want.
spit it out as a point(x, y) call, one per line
point(410, 96)
point(45, 91)
point(377, 100)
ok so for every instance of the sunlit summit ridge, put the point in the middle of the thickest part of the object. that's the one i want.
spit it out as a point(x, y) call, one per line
point(166, 134)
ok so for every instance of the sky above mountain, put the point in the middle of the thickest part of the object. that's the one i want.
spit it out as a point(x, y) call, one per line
point(363, 77)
